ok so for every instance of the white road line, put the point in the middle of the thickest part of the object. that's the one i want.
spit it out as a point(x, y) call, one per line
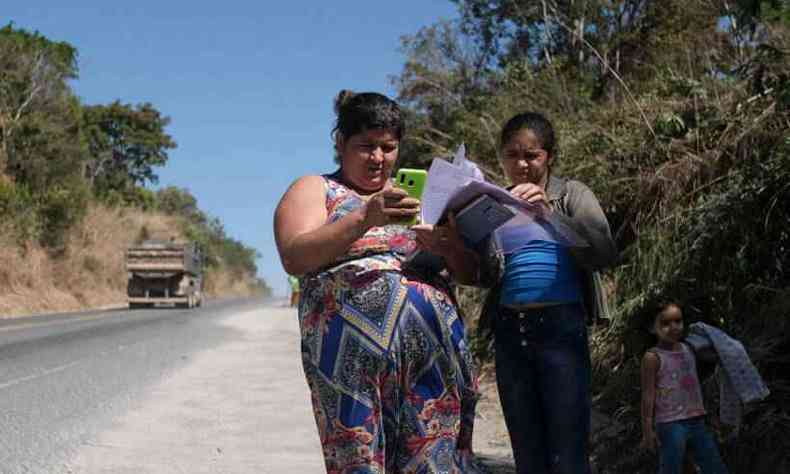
point(39, 375)
point(53, 323)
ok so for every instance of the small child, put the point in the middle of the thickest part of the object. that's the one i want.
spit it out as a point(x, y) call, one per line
point(673, 415)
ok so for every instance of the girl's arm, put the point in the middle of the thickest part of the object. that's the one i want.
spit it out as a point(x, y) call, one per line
point(305, 240)
point(589, 221)
point(650, 365)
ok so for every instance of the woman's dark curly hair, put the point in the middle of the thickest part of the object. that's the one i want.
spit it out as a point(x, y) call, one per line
point(357, 113)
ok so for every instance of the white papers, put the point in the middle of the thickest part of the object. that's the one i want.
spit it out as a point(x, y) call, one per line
point(444, 180)
point(466, 166)
point(520, 230)
point(524, 228)
point(473, 188)
point(450, 186)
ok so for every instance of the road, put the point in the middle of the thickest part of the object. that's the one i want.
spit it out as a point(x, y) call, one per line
point(217, 389)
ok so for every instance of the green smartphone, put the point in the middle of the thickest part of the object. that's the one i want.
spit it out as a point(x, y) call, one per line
point(413, 182)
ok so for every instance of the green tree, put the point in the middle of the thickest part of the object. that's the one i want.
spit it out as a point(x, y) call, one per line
point(180, 202)
point(40, 146)
point(39, 114)
point(125, 143)
point(444, 79)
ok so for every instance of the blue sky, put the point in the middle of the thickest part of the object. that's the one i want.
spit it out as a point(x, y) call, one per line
point(248, 85)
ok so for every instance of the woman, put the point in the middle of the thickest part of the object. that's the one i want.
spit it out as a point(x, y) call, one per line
point(392, 380)
point(541, 297)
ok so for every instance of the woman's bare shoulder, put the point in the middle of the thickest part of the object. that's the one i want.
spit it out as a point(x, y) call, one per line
point(309, 181)
point(307, 191)
point(307, 185)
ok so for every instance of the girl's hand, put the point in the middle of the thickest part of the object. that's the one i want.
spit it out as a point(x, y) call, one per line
point(650, 441)
point(440, 240)
point(388, 205)
point(533, 194)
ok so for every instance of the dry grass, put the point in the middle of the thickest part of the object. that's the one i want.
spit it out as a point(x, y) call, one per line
point(224, 284)
point(91, 273)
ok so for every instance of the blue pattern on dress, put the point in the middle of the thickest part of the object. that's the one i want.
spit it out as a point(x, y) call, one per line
point(393, 383)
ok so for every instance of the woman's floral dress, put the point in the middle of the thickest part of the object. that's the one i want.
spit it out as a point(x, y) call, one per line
point(393, 382)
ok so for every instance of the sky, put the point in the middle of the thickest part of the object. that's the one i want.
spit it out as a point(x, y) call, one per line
point(249, 86)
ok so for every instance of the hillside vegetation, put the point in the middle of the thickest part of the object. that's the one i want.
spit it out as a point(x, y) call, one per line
point(677, 114)
point(75, 189)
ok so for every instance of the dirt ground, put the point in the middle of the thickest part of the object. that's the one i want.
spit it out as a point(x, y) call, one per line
point(491, 443)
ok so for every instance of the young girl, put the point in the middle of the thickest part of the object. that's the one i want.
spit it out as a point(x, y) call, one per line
point(541, 296)
point(673, 415)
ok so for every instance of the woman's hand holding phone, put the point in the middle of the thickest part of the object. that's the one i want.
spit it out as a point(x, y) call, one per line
point(389, 206)
point(412, 181)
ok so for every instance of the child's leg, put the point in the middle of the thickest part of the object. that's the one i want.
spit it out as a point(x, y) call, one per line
point(672, 439)
point(688, 463)
point(705, 449)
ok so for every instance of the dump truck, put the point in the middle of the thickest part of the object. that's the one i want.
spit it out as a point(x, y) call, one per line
point(164, 272)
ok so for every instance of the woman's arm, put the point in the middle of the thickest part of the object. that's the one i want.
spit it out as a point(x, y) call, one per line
point(586, 217)
point(491, 263)
point(445, 241)
point(305, 240)
point(649, 370)
point(464, 266)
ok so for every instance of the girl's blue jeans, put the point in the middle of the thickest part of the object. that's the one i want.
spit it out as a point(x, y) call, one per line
point(543, 377)
point(675, 437)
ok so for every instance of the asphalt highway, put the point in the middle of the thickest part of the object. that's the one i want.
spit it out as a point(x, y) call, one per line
point(212, 389)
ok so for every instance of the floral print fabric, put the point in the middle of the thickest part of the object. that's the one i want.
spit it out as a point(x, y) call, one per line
point(392, 380)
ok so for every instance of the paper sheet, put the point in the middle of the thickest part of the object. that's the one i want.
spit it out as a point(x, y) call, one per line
point(450, 186)
point(468, 167)
point(473, 188)
point(524, 228)
point(444, 179)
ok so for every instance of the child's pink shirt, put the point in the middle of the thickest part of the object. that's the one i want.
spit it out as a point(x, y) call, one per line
point(678, 392)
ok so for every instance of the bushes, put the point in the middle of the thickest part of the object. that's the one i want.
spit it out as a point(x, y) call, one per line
point(44, 218)
point(20, 216)
point(709, 218)
point(684, 140)
point(60, 208)
point(730, 267)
